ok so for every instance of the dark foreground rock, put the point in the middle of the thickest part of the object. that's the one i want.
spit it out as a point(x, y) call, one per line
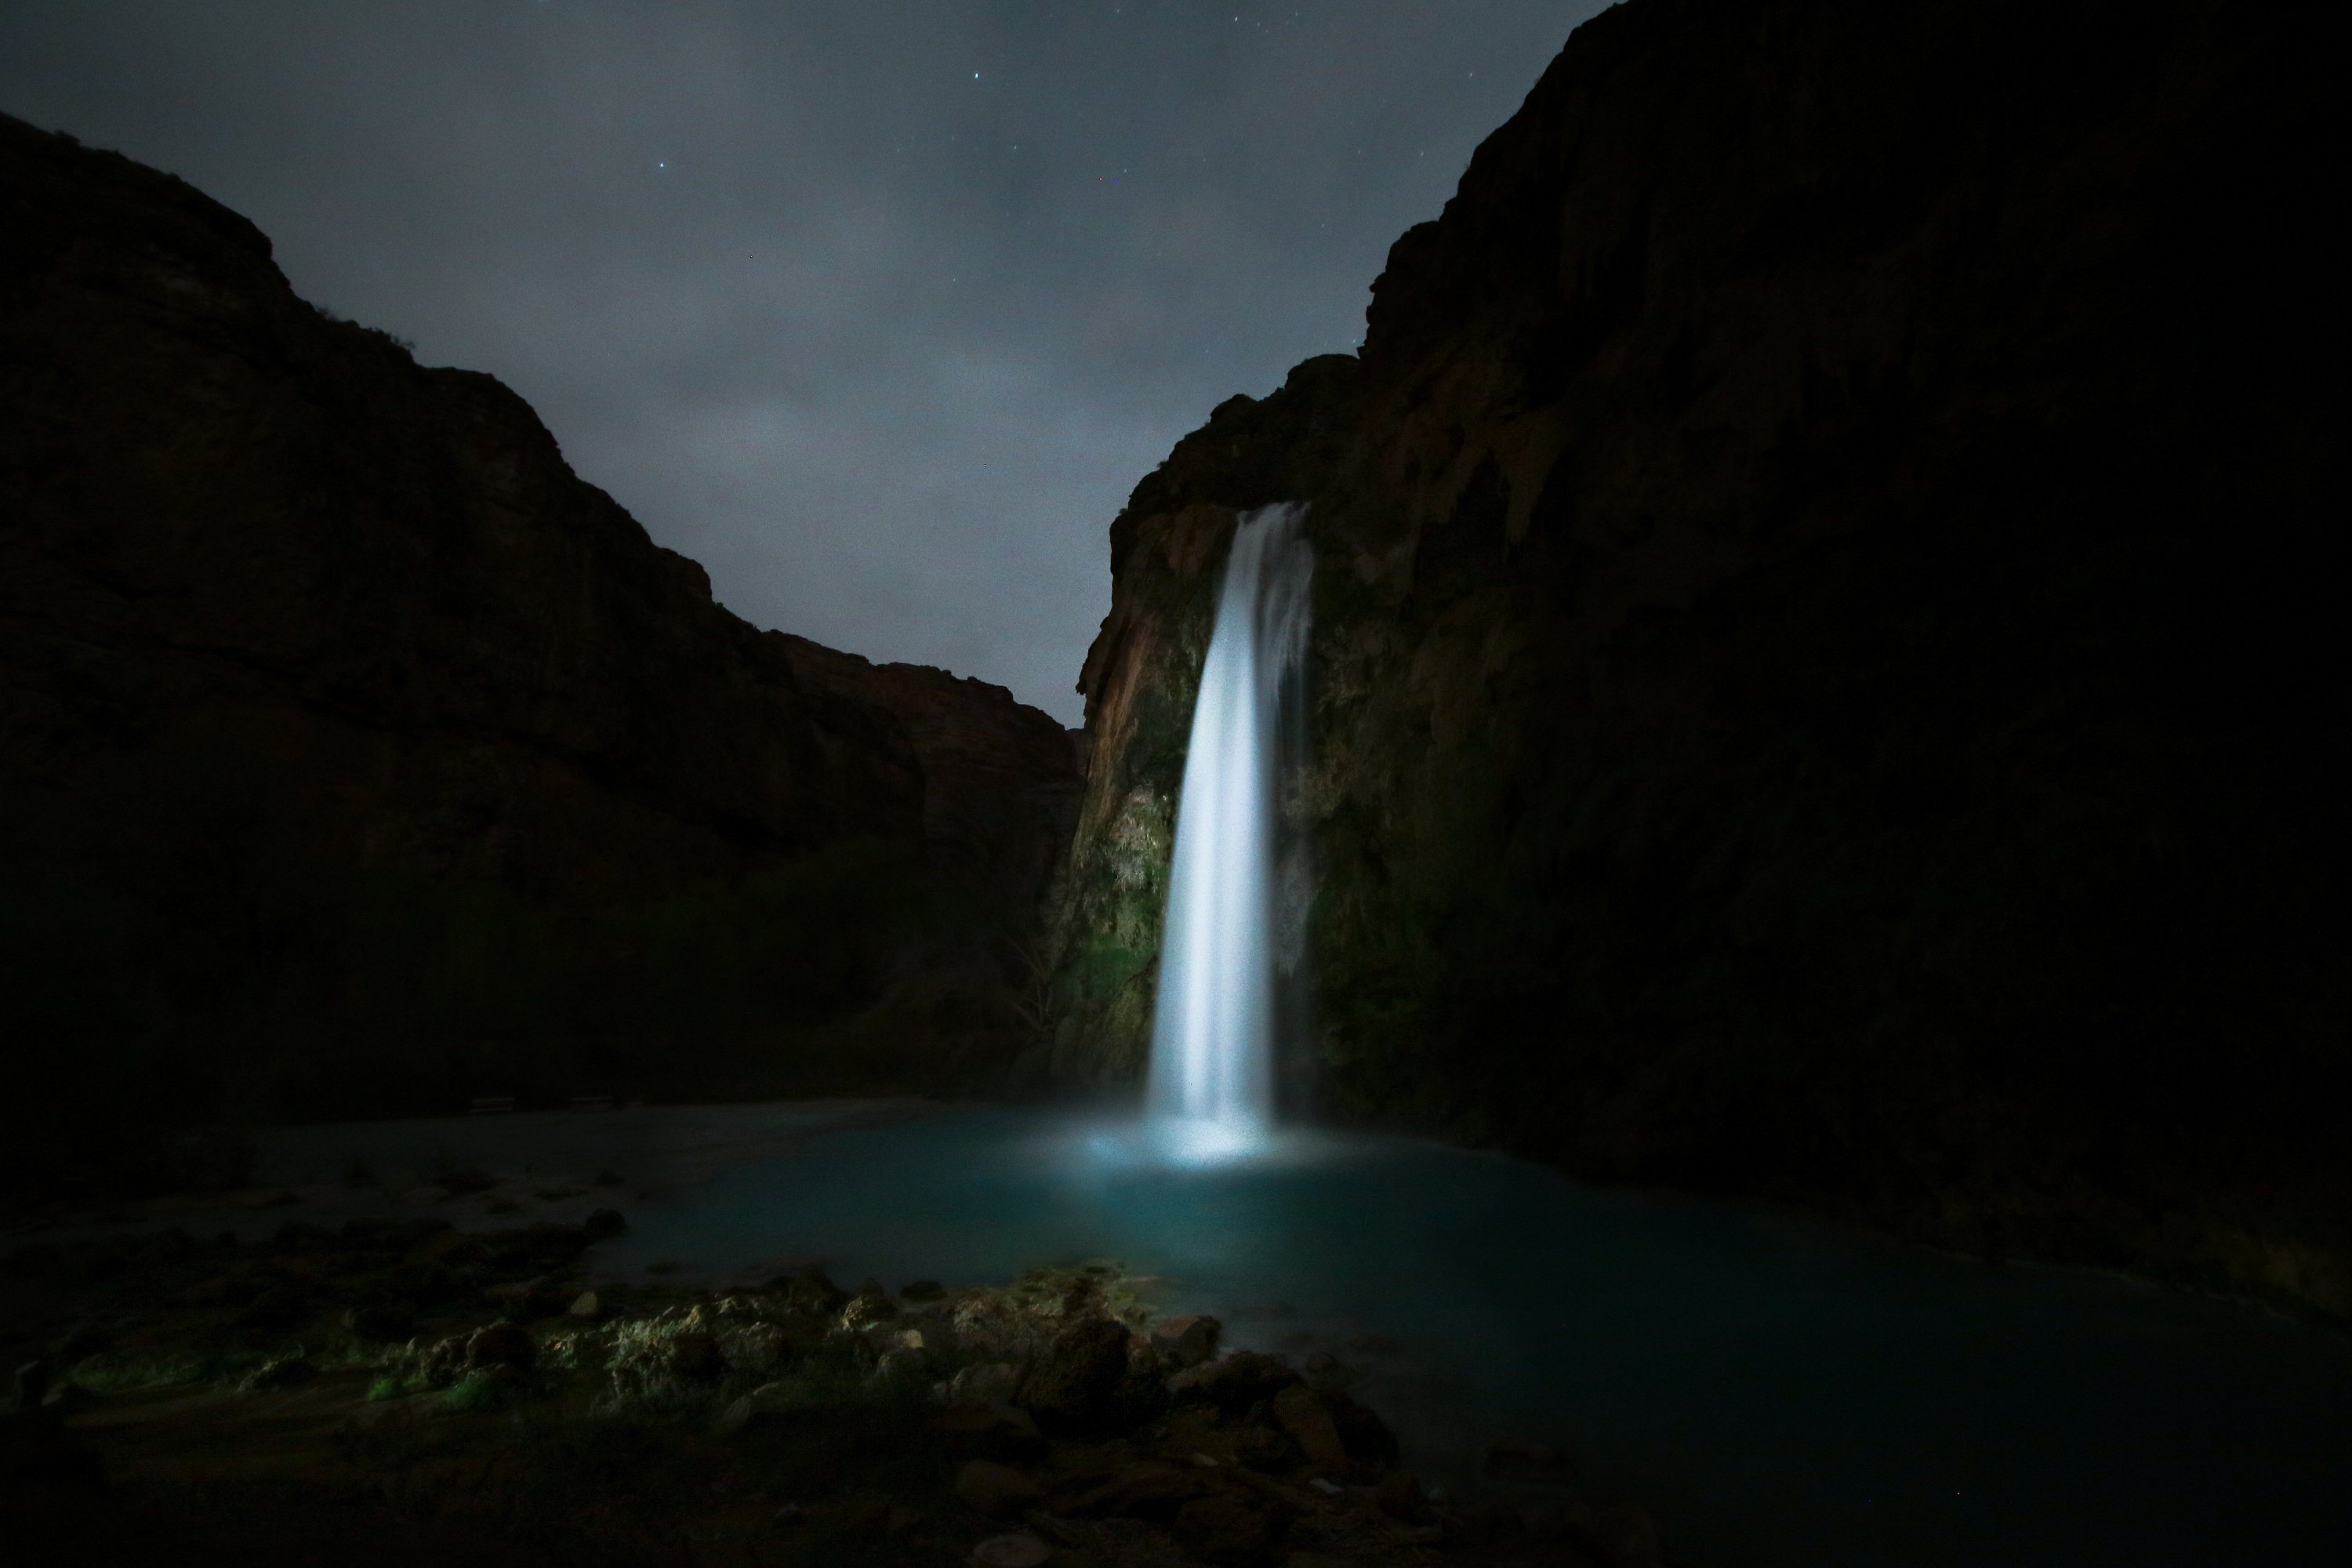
point(760, 1425)
point(1828, 561)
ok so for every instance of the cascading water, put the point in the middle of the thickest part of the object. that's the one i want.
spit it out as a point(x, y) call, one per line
point(1229, 925)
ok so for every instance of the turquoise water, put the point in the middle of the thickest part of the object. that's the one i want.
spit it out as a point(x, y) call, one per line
point(1780, 1392)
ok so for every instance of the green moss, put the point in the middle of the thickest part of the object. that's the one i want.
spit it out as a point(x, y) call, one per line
point(470, 1396)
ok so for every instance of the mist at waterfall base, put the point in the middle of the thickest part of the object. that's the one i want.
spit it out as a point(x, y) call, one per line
point(1235, 929)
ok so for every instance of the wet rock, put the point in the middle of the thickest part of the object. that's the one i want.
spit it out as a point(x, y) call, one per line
point(1020, 1551)
point(1229, 1530)
point(996, 1489)
point(1234, 1382)
point(285, 1371)
point(1073, 1383)
point(1301, 1412)
point(987, 1431)
point(1186, 1340)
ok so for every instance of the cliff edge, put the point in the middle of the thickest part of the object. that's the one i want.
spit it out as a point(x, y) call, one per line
point(1827, 561)
point(358, 756)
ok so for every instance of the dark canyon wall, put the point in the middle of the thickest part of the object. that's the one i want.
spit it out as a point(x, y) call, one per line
point(1827, 564)
point(356, 755)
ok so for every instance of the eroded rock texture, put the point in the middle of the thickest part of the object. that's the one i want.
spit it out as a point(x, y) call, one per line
point(357, 756)
point(1822, 670)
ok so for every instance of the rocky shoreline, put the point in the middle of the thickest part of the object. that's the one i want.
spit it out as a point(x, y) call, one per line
point(395, 1387)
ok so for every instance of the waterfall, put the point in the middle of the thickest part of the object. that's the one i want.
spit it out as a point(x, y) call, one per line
point(1235, 918)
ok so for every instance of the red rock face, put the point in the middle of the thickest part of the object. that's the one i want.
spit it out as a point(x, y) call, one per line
point(1826, 562)
point(1000, 779)
point(338, 718)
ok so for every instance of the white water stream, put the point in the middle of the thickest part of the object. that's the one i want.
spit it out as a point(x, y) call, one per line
point(1226, 938)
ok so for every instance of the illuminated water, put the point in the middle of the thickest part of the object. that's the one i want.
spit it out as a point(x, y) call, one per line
point(1783, 1392)
point(1211, 1083)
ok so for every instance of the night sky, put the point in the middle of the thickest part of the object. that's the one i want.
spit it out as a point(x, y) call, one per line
point(876, 307)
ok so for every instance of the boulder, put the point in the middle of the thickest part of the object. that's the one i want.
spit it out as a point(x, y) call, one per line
point(923, 1290)
point(1186, 1340)
point(1264, 1448)
point(767, 1400)
point(990, 1431)
point(867, 1307)
point(988, 1382)
point(696, 1356)
point(501, 1345)
point(285, 1371)
point(996, 1489)
point(1234, 1382)
point(1301, 1412)
point(810, 1290)
point(1368, 1440)
point(1073, 1385)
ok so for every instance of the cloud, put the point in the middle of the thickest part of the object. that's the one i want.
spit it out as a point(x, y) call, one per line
point(883, 342)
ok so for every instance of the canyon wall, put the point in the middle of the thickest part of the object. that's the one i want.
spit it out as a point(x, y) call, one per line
point(355, 755)
point(1826, 561)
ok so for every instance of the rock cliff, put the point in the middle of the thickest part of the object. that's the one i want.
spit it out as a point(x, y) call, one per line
point(1827, 558)
point(357, 756)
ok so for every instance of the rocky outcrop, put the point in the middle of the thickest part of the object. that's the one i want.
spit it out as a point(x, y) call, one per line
point(1001, 780)
point(1826, 563)
point(358, 755)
